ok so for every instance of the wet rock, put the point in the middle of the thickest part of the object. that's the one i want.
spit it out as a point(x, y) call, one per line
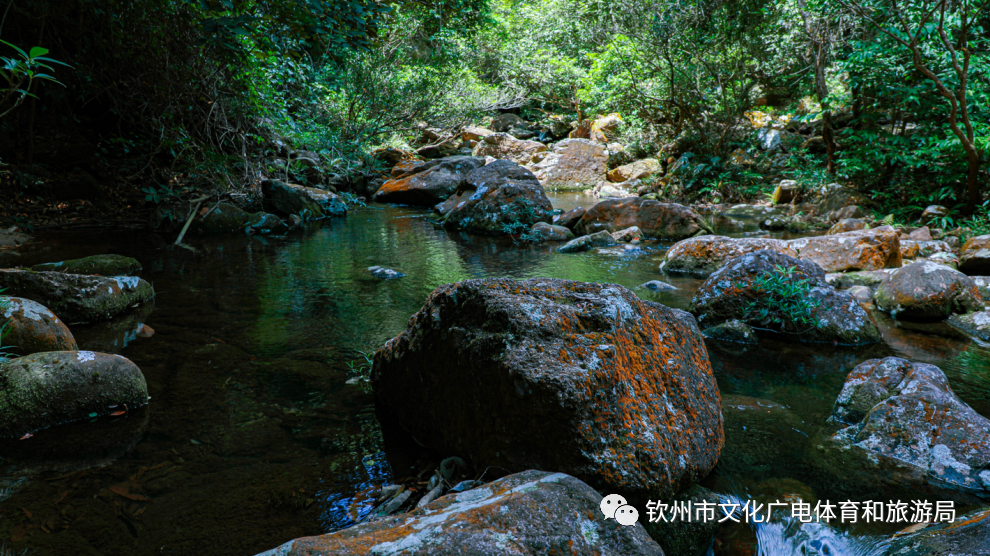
point(590, 241)
point(384, 273)
point(631, 233)
point(570, 218)
point(703, 255)
point(974, 257)
point(906, 413)
point(541, 232)
point(621, 388)
point(968, 534)
point(976, 325)
point(732, 331)
point(498, 199)
point(505, 122)
point(815, 313)
point(932, 213)
point(31, 327)
point(75, 297)
point(863, 294)
point(635, 171)
point(682, 537)
point(308, 202)
point(860, 250)
point(654, 219)
point(920, 234)
point(103, 265)
point(427, 184)
point(226, 218)
point(574, 164)
point(51, 388)
point(927, 291)
point(505, 146)
point(532, 512)
point(869, 278)
point(12, 237)
point(911, 249)
point(847, 225)
point(658, 286)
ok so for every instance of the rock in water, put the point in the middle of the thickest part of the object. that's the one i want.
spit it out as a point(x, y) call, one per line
point(705, 254)
point(927, 291)
point(578, 377)
point(498, 199)
point(974, 324)
point(51, 388)
point(103, 265)
point(309, 203)
point(77, 298)
point(227, 218)
point(968, 535)
point(814, 312)
point(384, 273)
point(541, 232)
point(654, 219)
point(859, 250)
point(532, 512)
point(588, 242)
point(427, 184)
point(974, 257)
point(907, 413)
point(34, 328)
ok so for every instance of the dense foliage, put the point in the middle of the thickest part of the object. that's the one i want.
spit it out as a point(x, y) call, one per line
point(894, 93)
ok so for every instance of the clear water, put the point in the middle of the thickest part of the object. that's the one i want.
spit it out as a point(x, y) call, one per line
point(260, 429)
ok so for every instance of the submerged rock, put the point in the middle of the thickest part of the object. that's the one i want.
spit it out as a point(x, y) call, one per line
point(309, 203)
point(500, 198)
point(861, 250)
point(927, 291)
point(426, 184)
point(798, 303)
point(31, 328)
point(532, 512)
point(590, 241)
point(976, 325)
point(658, 286)
point(384, 273)
point(704, 255)
point(75, 297)
point(906, 413)
point(654, 219)
point(51, 388)
point(584, 378)
point(103, 265)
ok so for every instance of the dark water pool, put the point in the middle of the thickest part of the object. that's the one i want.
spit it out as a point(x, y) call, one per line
point(261, 427)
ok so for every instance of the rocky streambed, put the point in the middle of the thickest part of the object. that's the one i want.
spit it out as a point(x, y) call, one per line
point(262, 425)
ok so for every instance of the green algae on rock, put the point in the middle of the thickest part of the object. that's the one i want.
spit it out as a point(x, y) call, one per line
point(76, 297)
point(102, 265)
point(46, 389)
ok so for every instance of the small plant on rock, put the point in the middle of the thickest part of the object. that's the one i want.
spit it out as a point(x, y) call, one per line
point(781, 299)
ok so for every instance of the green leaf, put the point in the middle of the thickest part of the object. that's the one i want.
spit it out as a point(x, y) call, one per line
point(37, 51)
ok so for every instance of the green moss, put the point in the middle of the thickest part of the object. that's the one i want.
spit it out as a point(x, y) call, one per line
point(103, 265)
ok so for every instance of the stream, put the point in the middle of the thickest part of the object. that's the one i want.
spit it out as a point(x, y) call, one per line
point(261, 426)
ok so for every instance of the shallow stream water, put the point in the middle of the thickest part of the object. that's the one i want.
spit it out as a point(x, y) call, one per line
point(261, 427)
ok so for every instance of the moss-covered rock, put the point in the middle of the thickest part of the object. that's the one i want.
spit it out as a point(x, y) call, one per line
point(77, 298)
point(33, 328)
point(51, 388)
point(103, 265)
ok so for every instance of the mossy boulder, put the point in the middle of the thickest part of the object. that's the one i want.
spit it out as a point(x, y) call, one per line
point(33, 328)
point(584, 378)
point(102, 265)
point(75, 297)
point(46, 389)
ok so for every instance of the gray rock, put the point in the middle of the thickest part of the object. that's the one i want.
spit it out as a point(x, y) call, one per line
point(308, 202)
point(103, 265)
point(541, 232)
point(30, 327)
point(863, 294)
point(428, 183)
point(384, 273)
point(658, 286)
point(927, 291)
point(976, 325)
point(584, 243)
point(704, 255)
point(51, 388)
point(968, 535)
point(732, 331)
point(532, 512)
point(498, 199)
point(77, 298)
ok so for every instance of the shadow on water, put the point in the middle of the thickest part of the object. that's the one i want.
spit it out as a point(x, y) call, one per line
point(261, 427)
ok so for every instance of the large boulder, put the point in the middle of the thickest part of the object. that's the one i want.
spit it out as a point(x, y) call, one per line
point(927, 291)
point(498, 199)
point(51, 388)
point(582, 378)
point(635, 171)
point(426, 184)
point(907, 414)
point(31, 327)
point(775, 292)
point(703, 255)
point(974, 257)
point(75, 297)
point(309, 203)
point(226, 218)
point(532, 512)
point(858, 250)
point(574, 164)
point(911, 249)
point(654, 219)
point(104, 265)
point(503, 145)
